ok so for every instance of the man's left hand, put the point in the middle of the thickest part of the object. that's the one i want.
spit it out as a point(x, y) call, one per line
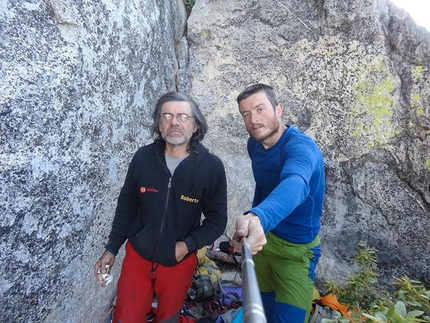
point(181, 250)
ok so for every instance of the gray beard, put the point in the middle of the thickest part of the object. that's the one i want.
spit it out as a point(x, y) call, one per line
point(176, 141)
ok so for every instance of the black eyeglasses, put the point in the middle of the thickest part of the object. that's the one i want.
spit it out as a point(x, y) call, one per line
point(181, 117)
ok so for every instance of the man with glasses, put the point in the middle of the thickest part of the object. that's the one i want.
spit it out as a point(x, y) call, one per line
point(169, 184)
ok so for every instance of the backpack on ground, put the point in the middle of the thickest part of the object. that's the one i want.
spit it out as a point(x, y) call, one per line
point(207, 278)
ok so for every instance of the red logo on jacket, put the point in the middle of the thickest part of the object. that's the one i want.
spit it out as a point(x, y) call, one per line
point(144, 189)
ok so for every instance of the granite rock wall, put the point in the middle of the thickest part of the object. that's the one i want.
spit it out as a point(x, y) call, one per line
point(78, 81)
point(355, 77)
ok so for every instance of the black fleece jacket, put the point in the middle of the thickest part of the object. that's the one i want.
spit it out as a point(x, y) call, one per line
point(156, 209)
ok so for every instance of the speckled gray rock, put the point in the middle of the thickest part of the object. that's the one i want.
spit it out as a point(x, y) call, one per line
point(78, 80)
point(355, 77)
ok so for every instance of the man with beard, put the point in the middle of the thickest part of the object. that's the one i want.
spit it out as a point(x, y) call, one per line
point(169, 184)
point(283, 224)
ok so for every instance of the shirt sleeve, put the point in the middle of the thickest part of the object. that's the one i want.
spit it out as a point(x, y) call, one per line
point(300, 160)
point(126, 211)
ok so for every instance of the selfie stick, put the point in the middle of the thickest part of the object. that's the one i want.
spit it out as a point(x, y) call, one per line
point(252, 305)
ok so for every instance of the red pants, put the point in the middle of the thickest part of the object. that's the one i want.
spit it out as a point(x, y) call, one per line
point(141, 279)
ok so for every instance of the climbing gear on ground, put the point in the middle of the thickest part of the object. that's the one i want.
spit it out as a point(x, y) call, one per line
point(207, 279)
point(320, 312)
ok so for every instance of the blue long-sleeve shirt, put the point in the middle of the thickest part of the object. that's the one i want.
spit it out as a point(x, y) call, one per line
point(290, 186)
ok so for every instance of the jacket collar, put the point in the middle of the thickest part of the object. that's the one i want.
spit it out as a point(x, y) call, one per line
point(198, 154)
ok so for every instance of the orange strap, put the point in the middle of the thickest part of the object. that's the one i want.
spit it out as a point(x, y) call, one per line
point(331, 300)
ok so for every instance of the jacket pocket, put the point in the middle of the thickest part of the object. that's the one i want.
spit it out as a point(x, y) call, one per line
point(154, 247)
point(144, 242)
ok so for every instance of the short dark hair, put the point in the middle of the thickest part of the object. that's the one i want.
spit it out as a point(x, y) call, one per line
point(199, 119)
point(257, 88)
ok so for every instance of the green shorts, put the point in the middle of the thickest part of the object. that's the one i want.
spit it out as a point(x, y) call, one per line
point(288, 270)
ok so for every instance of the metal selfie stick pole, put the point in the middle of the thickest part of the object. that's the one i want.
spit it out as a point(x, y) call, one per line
point(253, 311)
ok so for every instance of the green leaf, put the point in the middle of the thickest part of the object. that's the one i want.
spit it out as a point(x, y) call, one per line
point(326, 320)
point(400, 309)
point(337, 314)
point(415, 313)
point(402, 295)
point(396, 318)
point(390, 311)
point(426, 296)
point(381, 317)
point(371, 317)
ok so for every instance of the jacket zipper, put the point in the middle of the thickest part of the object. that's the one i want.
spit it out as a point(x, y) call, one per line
point(169, 185)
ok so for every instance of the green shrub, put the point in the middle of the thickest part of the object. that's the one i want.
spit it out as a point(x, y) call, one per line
point(368, 302)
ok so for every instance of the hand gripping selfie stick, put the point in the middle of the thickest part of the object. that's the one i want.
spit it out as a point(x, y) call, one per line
point(252, 305)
